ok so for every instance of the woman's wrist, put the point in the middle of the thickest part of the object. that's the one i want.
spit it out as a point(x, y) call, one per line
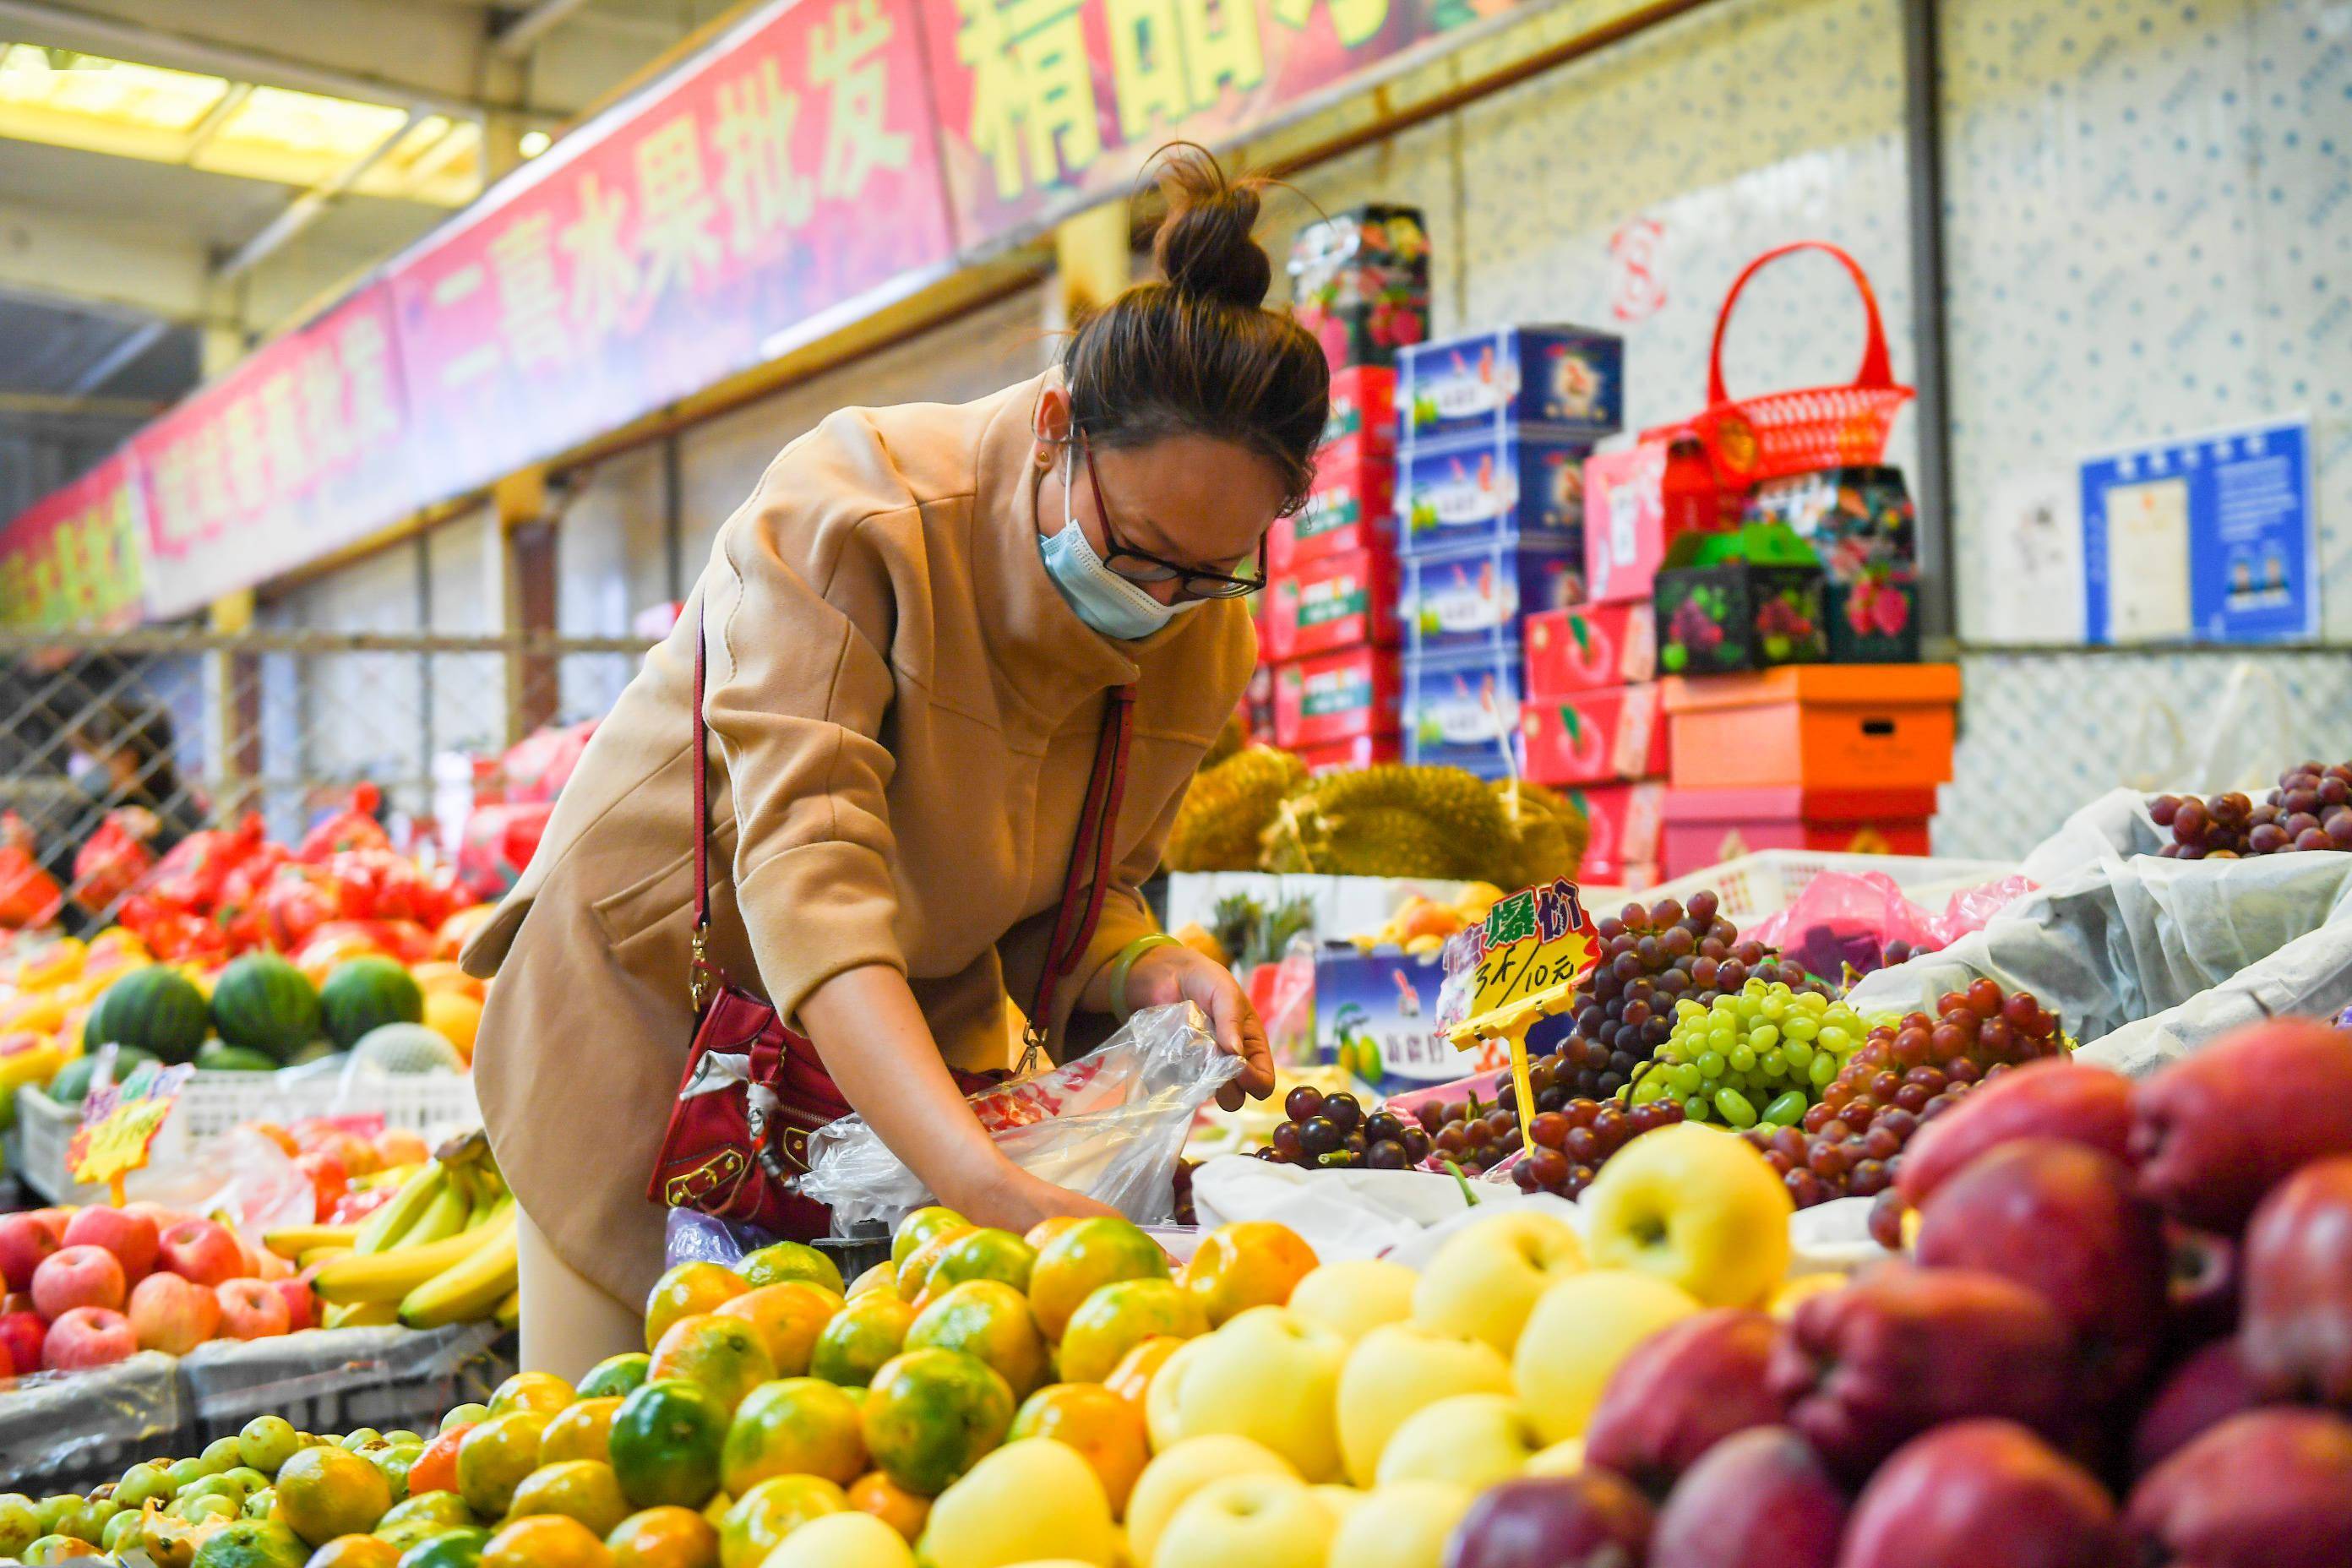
point(1125, 996)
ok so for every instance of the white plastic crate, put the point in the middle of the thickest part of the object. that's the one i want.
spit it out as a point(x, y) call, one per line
point(214, 1102)
point(1768, 881)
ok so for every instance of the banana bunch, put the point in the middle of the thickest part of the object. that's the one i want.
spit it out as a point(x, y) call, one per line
point(442, 1251)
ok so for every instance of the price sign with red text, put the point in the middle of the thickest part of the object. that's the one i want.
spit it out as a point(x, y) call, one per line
point(120, 1121)
point(1537, 940)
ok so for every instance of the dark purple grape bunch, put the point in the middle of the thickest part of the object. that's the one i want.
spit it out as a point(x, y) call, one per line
point(2310, 810)
point(1331, 1133)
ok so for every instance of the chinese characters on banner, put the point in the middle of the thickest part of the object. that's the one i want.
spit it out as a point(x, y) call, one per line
point(71, 559)
point(792, 171)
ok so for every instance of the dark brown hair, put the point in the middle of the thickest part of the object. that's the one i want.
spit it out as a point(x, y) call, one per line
point(1199, 354)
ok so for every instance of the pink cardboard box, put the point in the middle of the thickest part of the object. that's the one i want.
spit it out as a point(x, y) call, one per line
point(1330, 603)
point(1351, 507)
point(1624, 523)
point(1587, 647)
point(1589, 737)
point(1626, 825)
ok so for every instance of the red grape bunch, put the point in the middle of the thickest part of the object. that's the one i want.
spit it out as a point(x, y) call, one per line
point(1904, 1074)
point(1572, 1142)
point(2310, 810)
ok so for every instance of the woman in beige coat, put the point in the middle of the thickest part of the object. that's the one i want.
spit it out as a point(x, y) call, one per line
point(911, 629)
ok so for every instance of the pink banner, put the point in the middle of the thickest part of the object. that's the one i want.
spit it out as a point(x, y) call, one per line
point(71, 559)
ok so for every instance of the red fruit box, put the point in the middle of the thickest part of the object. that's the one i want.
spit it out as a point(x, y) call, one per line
point(1623, 822)
point(1588, 647)
point(1330, 603)
point(1351, 507)
point(1345, 756)
point(1588, 737)
point(1335, 697)
point(1362, 421)
point(1706, 827)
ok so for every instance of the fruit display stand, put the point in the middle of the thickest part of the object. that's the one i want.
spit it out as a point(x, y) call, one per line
point(1752, 886)
point(1342, 905)
point(66, 1432)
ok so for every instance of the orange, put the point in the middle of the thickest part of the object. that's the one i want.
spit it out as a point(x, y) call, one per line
point(916, 1273)
point(278, 1135)
point(904, 1511)
point(355, 1551)
point(1084, 1258)
point(579, 1432)
point(802, 1425)
point(1106, 1431)
point(763, 1516)
point(781, 1260)
point(436, 1469)
point(920, 1227)
point(725, 1355)
point(455, 1018)
point(324, 1492)
point(988, 1318)
point(984, 1255)
point(864, 1334)
point(1046, 1229)
point(931, 1415)
point(685, 1290)
point(546, 1540)
point(441, 974)
point(1120, 1316)
point(540, 1391)
point(787, 1318)
point(495, 1458)
point(581, 1489)
point(1254, 1263)
point(665, 1537)
point(665, 1443)
point(1131, 1379)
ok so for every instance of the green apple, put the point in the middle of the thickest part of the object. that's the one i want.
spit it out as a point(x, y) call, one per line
point(1032, 1498)
point(1270, 1374)
point(1485, 1281)
point(1354, 1298)
point(1170, 1479)
point(842, 1541)
point(1473, 1440)
point(1395, 1371)
point(1579, 1332)
point(1698, 1207)
point(1402, 1526)
point(1248, 1521)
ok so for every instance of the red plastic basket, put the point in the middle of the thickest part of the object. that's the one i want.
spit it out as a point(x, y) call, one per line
point(1750, 440)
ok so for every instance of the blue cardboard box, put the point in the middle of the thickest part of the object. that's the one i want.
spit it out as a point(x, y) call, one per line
point(1568, 380)
point(1475, 596)
point(1461, 708)
point(1506, 486)
point(1376, 1015)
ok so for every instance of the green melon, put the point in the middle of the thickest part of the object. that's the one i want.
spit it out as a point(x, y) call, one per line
point(364, 994)
point(156, 1009)
point(407, 1048)
point(263, 1004)
point(218, 1058)
point(72, 1084)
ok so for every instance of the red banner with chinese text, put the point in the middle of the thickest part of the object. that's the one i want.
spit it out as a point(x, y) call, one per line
point(790, 171)
point(301, 449)
point(71, 559)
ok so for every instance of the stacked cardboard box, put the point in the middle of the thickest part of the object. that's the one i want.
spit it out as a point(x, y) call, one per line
point(1593, 726)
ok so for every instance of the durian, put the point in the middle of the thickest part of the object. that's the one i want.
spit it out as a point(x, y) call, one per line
point(1389, 821)
point(1227, 807)
point(1548, 834)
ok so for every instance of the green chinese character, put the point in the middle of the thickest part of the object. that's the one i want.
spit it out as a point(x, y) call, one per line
point(1512, 920)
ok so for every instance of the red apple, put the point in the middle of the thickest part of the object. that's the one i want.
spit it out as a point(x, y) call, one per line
point(2215, 1132)
point(2061, 1219)
point(77, 1277)
point(250, 1310)
point(2202, 1392)
point(132, 1238)
point(1760, 1498)
point(2053, 1098)
point(22, 1333)
point(1681, 1391)
point(1594, 1518)
point(1868, 1367)
point(2204, 1287)
point(2271, 1489)
point(53, 1220)
point(23, 1242)
point(88, 1337)
point(203, 1251)
point(173, 1315)
point(301, 1305)
point(1979, 1492)
point(2296, 1328)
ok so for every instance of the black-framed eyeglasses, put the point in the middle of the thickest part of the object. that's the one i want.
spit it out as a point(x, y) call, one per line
point(1194, 582)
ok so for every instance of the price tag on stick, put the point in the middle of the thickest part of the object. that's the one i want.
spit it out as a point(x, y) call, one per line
point(1537, 944)
point(119, 1124)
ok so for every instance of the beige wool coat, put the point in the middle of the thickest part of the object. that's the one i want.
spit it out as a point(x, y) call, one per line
point(903, 714)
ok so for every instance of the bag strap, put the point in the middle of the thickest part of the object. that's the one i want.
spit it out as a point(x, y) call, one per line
point(1876, 371)
point(1084, 884)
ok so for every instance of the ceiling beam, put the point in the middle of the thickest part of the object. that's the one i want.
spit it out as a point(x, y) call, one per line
point(60, 406)
point(129, 347)
point(310, 206)
point(519, 33)
point(137, 268)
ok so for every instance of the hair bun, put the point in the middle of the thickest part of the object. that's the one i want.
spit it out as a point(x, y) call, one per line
point(1205, 247)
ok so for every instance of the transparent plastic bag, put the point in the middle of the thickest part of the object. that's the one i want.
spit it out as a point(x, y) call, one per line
point(1110, 1125)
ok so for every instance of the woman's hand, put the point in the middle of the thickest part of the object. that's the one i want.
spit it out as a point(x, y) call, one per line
point(1009, 1198)
point(1175, 973)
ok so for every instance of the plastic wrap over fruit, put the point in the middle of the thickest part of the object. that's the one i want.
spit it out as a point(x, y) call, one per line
point(1109, 1124)
point(69, 1430)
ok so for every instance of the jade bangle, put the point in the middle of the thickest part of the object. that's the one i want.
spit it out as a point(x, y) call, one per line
point(1121, 965)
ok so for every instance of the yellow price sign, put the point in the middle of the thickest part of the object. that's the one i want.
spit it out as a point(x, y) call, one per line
point(119, 1125)
point(1533, 946)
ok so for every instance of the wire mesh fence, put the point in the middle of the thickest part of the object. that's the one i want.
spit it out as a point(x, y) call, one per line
point(168, 731)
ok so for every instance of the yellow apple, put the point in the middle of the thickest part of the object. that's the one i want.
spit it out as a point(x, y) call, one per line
point(1341, 1501)
point(1578, 1332)
point(1174, 1476)
point(1696, 1206)
point(1249, 1521)
point(1160, 1409)
point(1031, 1497)
point(1799, 1288)
point(1471, 1439)
point(1354, 1298)
point(850, 1540)
point(1402, 1526)
point(1565, 1457)
point(1272, 1375)
point(1484, 1281)
point(1395, 1371)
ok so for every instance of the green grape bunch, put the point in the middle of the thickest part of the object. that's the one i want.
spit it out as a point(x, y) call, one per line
point(1760, 1055)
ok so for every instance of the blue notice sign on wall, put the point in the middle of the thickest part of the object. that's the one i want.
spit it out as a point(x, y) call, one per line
point(2207, 539)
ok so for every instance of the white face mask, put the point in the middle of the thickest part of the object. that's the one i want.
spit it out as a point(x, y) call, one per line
point(1099, 597)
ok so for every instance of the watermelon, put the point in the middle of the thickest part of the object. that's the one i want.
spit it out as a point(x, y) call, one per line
point(263, 1002)
point(155, 1008)
point(407, 1048)
point(72, 1084)
point(218, 1058)
point(364, 994)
